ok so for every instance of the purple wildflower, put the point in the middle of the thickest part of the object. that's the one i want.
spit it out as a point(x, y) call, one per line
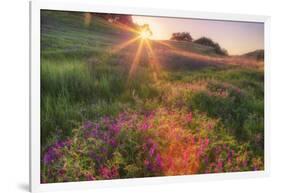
point(158, 160)
point(49, 156)
point(88, 125)
point(113, 143)
point(115, 128)
point(152, 150)
point(54, 152)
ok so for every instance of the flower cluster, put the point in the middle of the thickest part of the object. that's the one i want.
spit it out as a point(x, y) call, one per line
point(133, 144)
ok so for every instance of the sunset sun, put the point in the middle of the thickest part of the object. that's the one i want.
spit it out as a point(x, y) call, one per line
point(145, 34)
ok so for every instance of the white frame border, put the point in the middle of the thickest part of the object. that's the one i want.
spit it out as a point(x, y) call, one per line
point(89, 6)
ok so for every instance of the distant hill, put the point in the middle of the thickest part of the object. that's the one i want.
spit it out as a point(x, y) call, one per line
point(192, 47)
point(257, 55)
point(209, 42)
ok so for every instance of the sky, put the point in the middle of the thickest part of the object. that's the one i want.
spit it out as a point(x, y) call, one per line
point(236, 37)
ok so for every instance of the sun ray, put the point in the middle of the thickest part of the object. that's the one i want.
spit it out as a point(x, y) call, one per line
point(136, 59)
point(153, 60)
point(124, 44)
point(191, 55)
point(215, 59)
point(165, 44)
point(124, 27)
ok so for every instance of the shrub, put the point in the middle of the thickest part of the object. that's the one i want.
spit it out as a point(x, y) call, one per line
point(210, 43)
point(182, 36)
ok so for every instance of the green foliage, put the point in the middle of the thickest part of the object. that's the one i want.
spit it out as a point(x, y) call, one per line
point(209, 42)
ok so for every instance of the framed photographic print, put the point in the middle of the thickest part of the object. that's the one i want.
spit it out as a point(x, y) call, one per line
point(127, 96)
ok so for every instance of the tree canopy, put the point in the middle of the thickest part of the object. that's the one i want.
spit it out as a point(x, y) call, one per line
point(209, 42)
point(182, 36)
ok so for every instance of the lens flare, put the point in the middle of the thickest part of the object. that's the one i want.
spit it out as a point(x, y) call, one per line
point(145, 34)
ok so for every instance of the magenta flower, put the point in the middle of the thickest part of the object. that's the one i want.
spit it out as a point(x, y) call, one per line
point(207, 141)
point(144, 126)
point(108, 173)
point(90, 177)
point(88, 125)
point(220, 164)
point(146, 162)
point(158, 160)
point(115, 128)
point(113, 143)
point(105, 172)
point(152, 149)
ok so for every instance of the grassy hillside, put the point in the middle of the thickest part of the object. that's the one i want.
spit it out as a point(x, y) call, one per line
point(182, 111)
point(256, 55)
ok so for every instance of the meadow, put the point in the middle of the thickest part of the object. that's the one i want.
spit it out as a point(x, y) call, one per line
point(113, 110)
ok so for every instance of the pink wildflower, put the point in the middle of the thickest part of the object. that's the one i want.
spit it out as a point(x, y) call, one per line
point(189, 117)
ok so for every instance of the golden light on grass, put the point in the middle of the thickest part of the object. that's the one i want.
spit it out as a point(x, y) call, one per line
point(136, 59)
point(124, 44)
point(153, 60)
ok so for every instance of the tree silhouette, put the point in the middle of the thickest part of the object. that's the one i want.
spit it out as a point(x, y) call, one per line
point(210, 43)
point(181, 36)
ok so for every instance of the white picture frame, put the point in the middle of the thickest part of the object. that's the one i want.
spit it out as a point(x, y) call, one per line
point(89, 6)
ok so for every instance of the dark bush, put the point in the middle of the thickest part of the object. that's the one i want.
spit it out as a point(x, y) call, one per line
point(210, 43)
point(117, 18)
point(182, 36)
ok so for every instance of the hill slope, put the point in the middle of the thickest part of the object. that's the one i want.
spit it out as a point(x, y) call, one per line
point(257, 55)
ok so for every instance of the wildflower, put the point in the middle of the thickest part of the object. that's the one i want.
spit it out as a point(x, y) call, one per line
point(94, 133)
point(103, 150)
point(146, 162)
point(106, 121)
point(144, 126)
point(115, 128)
point(230, 155)
point(62, 172)
point(207, 142)
point(105, 172)
point(108, 173)
point(186, 155)
point(238, 90)
point(88, 125)
point(209, 126)
point(113, 142)
point(90, 177)
point(158, 160)
point(114, 172)
point(150, 167)
point(149, 141)
point(68, 143)
point(152, 149)
point(219, 165)
point(206, 160)
point(189, 117)
point(50, 156)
